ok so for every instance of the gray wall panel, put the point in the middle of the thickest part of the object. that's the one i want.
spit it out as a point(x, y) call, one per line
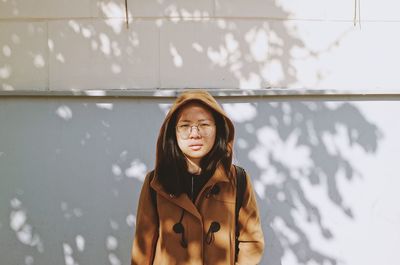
point(71, 169)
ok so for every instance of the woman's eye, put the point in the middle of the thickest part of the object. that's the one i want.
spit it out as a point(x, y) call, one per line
point(204, 125)
point(183, 126)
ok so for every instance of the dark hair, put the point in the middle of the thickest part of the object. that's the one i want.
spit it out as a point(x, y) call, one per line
point(172, 167)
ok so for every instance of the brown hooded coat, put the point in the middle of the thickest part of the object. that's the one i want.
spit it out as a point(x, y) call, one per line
point(156, 243)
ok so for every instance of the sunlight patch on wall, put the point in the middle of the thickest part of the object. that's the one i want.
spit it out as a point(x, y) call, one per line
point(131, 220)
point(29, 260)
point(38, 61)
point(113, 259)
point(50, 44)
point(273, 71)
point(231, 43)
point(286, 233)
point(164, 106)
point(80, 243)
point(285, 151)
point(111, 243)
point(271, 177)
point(254, 81)
point(69, 213)
point(111, 9)
point(7, 87)
point(137, 170)
point(6, 51)
point(60, 58)
point(15, 39)
point(240, 112)
point(115, 68)
point(116, 170)
point(68, 258)
point(74, 26)
point(23, 230)
point(105, 45)
point(177, 58)
point(260, 156)
point(218, 57)
point(86, 33)
point(5, 72)
point(64, 112)
point(116, 25)
point(258, 43)
point(107, 106)
point(114, 225)
point(95, 93)
point(197, 47)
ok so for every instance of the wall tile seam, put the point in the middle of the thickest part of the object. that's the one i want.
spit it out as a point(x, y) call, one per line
point(48, 18)
point(195, 19)
point(200, 19)
point(48, 56)
point(214, 8)
point(159, 57)
point(274, 92)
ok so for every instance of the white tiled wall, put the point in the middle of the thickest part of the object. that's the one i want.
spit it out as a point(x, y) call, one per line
point(23, 55)
point(170, 8)
point(281, 9)
point(383, 10)
point(44, 9)
point(105, 54)
point(62, 45)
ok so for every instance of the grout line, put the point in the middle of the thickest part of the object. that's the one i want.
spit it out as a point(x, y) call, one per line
point(214, 8)
point(234, 93)
point(159, 56)
point(48, 55)
point(33, 19)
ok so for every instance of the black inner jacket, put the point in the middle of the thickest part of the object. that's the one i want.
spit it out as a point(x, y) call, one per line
point(194, 183)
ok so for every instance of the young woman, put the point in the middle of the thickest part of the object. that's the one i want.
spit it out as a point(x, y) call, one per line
point(186, 210)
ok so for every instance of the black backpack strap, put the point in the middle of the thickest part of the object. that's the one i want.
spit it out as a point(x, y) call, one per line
point(240, 189)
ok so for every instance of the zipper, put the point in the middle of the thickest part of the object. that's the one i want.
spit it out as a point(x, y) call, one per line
point(191, 194)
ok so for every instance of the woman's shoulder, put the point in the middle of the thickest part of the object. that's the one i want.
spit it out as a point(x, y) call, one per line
point(238, 170)
point(240, 174)
point(148, 177)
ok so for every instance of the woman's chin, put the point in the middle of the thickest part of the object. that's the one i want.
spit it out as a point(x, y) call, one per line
point(195, 155)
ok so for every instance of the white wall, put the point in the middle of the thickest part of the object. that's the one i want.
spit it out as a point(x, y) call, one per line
point(325, 174)
point(63, 45)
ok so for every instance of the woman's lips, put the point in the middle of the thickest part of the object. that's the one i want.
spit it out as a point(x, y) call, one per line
point(195, 147)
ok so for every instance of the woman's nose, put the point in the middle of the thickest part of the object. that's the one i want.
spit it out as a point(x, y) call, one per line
point(194, 133)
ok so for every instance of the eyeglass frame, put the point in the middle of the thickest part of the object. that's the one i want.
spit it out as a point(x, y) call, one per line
point(199, 131)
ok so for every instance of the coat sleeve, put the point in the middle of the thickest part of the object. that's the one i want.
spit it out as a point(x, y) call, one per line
point(146, 234)
point(251, 238)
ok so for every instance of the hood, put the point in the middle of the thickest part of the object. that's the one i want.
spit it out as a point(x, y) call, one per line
point(198, 96)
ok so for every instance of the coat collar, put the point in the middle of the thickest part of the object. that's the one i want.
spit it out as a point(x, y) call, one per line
point(183, 200)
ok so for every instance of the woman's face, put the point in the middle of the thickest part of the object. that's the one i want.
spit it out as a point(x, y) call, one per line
point(195, 131)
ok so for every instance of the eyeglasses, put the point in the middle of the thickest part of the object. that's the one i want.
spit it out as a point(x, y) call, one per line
point(205, 129)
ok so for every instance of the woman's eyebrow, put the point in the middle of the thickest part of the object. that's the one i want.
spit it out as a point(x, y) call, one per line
point(192, 120)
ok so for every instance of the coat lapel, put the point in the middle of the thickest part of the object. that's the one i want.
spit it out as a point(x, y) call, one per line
point(183, 201)
point(219, 176)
